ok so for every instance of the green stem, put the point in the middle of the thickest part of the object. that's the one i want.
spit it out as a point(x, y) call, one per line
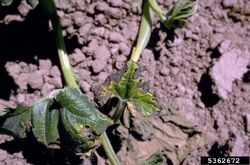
point(144, 31)
point(109, 150)
point(156, 8)
point(50, 8)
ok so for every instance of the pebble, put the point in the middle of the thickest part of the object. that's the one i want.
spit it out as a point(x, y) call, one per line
point(77, 57)
point(124, 48)
point(224, 46)
point(85, 86)
point(55, 72)
point(164, 71)
point(102, 76)
point(46, 89)
point(101, 19)
point(45, 64)
point(78, 18)
point(115, 37)
point(116, 3)
point(247, 122)
point(3, 155)
point(229, 3)
point(36, 80)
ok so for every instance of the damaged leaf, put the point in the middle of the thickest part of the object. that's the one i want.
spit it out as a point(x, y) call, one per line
point(128, 90)
point(178, 14)
point(81, 120)
point(67, 118)
point(16, 122)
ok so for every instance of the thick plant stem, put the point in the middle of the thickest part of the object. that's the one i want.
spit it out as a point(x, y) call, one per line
point(50, 8)
point(108, 149)
point(64, 61)
point(144, 31)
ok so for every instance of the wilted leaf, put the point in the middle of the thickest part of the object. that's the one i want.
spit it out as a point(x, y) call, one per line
point(155, 159)
point(128, 90)
point(45, 122)
point(81, 119)
point(16, 122)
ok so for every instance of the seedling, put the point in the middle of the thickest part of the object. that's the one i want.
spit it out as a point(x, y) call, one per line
point(67, 118)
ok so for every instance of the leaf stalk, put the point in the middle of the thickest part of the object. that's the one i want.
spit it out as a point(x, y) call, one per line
point(145, 30)
point(50, 8)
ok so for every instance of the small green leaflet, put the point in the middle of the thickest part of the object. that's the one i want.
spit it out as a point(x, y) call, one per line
point(178, 14)
point(32, 3)
point(16, 122)
point(155, 159)
point(45, 122)
point(127, 90)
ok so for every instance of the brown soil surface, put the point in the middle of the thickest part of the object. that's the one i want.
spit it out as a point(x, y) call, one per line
point(200, 72)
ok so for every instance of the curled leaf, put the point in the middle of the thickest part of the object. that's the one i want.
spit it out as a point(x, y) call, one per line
point(45, 122)
point(16, 122)
point(128, 90)
point(81, 120)
point(181, 11)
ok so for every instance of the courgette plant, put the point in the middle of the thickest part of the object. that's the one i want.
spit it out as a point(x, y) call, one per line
point(66, 117)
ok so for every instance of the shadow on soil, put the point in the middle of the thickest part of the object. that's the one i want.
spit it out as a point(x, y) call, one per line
point(205, 87)
point(171, 35)
point(27, 41)
point(219, 151)
point(23, 41)
point(38, 154)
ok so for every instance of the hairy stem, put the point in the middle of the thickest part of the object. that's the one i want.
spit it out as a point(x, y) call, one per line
point(144, 31)
point(50, 8)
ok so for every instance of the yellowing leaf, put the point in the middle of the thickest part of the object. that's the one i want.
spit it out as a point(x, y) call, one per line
point(81, 120)
point(128, 90)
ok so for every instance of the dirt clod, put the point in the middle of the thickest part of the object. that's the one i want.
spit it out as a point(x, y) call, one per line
point(247, 118)
point(230, 67)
